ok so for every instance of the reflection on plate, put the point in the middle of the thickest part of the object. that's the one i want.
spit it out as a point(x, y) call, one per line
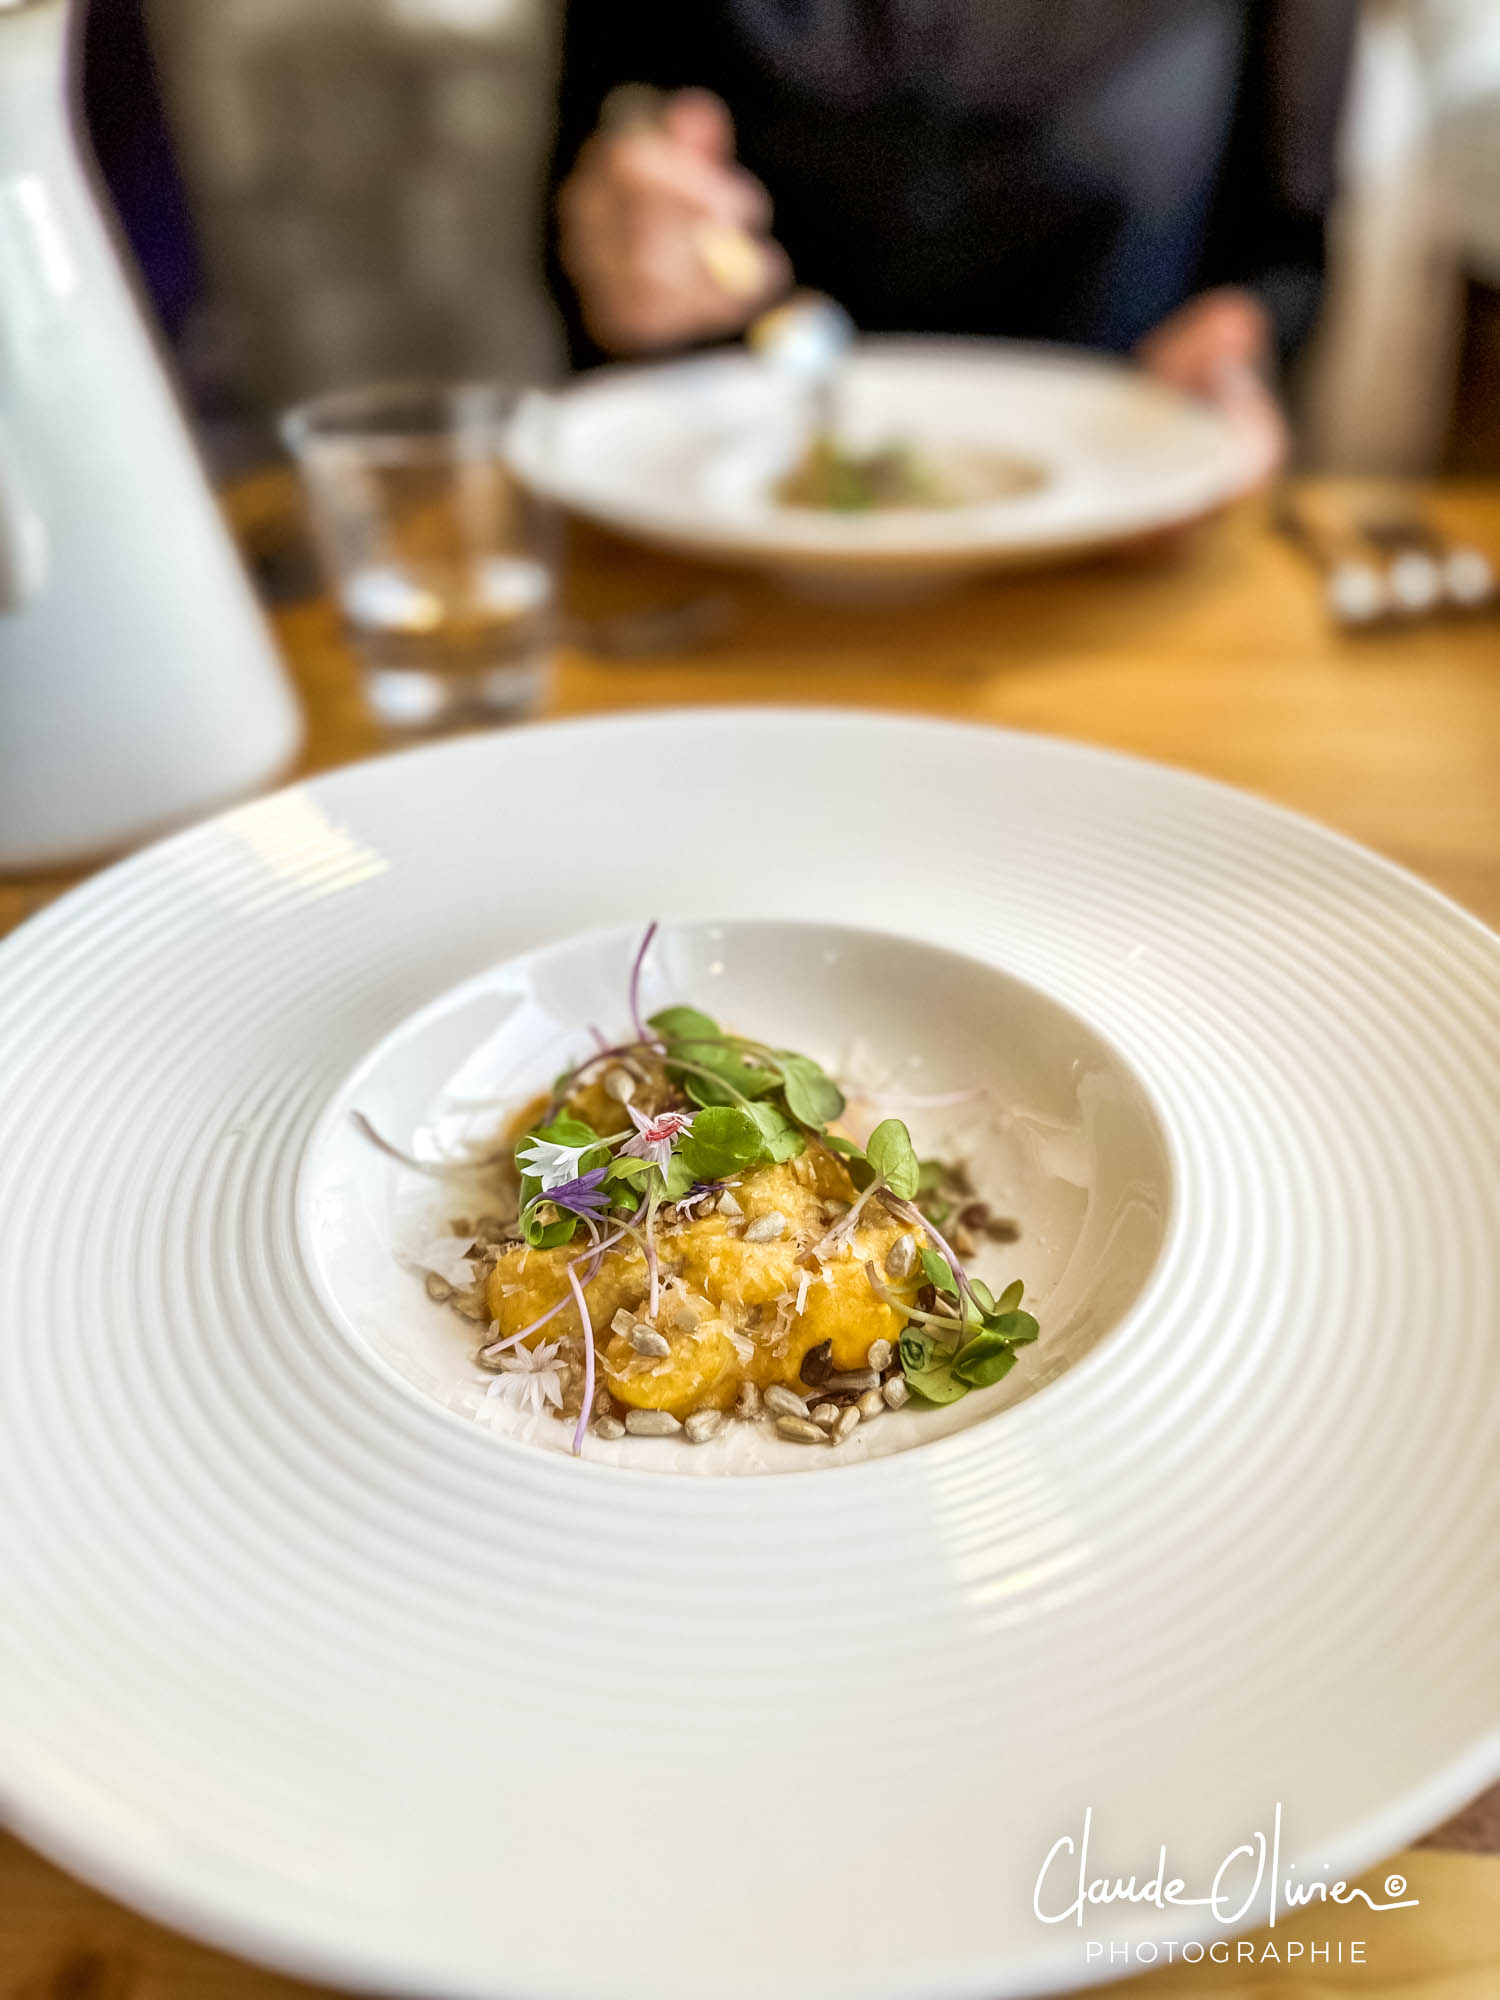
point(297, 1659)
point(690, 454)
point(1058, 1131)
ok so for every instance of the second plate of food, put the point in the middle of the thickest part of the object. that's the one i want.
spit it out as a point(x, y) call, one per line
point(954, 456)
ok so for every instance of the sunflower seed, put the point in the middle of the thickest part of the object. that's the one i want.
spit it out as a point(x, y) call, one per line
point(438, 1288)
point(651, 1423)
point(1003, 1229)
point(473, 1305)
point(784, 1402)
point(619, 1084)
point(681, 1313)
point(646, 1340)
point(800, 1431)
point(766, 1228)
point(826, 1414)
point(871, 1403)
point(879, 1356)
point(895, 1392)
point(703, 1424)
point(853, 1381)
point(901, 1258)
point(747, 1402)
point(490, 1356)
point(609, 1427)
point(832, 1210)
point(848, 1421)
point(728, 1205)
point(604, 1404)
point(622, 1322)
point(965, 1242)
point(491, 1229)
point(817, 1364)
point(460, 1226)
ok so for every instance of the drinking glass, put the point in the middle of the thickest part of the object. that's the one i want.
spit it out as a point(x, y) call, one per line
point(442, 563)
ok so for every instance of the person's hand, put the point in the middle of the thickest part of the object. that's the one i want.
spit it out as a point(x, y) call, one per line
point(663, 235)
point(1218, 346)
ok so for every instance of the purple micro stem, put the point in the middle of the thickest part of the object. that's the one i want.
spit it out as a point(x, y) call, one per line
point(588, 1361)
point(635, 983)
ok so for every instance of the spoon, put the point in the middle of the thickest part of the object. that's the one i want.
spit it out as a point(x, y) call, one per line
point(807, 339)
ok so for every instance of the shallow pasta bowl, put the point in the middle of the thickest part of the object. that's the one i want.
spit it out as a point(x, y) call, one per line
point(689, 454)
point(302, 1659)
point(1047, 1118)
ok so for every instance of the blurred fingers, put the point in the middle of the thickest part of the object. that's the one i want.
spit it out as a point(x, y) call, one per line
point(649, 165)
point(701, 121)
point(662, 234)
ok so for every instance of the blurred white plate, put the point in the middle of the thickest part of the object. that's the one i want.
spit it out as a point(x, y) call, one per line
point(687, 453)
point(298, 1658)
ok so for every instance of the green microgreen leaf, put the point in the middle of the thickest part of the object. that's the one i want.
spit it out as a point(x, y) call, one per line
point(679, 1178)
point(916, 1348)
point(937, 1385)
point(780, 1138)
point(845, 1148)
point(812, 1097)
point(543, 1235)
point(984, 1360)
point(728, 1079)
point(938, 1272)
point(1011, 1297)
point(1019, 1328)
point(928, 1368)
point(564, 1131)
point(724, 1138)
point(892, 1155)
point(681, 1024)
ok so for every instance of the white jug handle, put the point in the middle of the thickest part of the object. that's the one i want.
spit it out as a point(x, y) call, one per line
point(23, 534)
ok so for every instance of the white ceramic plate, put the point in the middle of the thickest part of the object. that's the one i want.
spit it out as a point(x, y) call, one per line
point(686, 454)
point(1059, 1135)
point(300, 1658)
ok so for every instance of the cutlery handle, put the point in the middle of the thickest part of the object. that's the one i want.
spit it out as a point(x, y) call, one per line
point(1354, 588)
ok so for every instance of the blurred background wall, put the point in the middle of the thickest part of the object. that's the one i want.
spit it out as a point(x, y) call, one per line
point(1405, 376)
point(365, 180)
point(366, 177)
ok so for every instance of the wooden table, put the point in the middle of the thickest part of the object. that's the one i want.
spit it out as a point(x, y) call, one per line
point(1214, 655)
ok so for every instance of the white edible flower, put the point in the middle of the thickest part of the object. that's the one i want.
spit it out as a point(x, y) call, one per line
point(655, 1137)
point(529, 1379)
point(553, 1165)
point(448, 1256)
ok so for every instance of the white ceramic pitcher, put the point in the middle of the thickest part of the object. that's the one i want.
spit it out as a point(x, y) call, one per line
point(138, 682)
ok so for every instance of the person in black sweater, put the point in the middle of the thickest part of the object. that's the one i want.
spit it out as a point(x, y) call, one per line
point(1126, 174)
